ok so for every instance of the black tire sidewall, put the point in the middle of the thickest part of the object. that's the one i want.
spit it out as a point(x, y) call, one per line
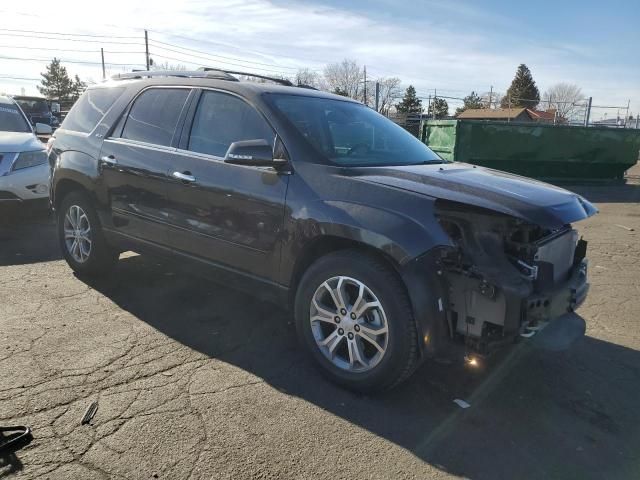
point(389, 291)
point(101, 257)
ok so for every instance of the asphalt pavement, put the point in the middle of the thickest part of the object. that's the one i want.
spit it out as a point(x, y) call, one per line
point(194, 380)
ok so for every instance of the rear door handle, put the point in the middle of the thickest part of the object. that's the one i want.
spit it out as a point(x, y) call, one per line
point(185, 177)
point(109, 160)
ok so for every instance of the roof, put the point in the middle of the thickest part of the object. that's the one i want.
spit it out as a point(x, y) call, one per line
point(238, 86)
point(28, 97)
point(6, 100)
point(542, 115)
point(491, 114)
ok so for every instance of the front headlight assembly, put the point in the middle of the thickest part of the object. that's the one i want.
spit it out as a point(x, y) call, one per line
point(29, 159)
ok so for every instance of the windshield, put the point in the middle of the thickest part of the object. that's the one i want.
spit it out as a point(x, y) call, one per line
point(33, 106)
point(11, 120)
point(351, 134)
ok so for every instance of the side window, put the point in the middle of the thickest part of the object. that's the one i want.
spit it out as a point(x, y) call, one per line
point(222, 119)
point(154, 115)
point(90, 108)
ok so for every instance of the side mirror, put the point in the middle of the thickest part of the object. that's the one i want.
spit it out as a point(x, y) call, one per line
point(43, 129)
point(257, 153)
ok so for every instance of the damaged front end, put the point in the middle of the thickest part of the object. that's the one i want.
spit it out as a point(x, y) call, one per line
point(505, 277)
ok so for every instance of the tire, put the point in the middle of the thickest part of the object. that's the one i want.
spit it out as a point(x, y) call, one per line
point(378, 370)
point(96, 259)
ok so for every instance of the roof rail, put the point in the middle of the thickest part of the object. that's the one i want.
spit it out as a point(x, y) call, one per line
point(281, 81)
point(202, 72)
point(217, 74)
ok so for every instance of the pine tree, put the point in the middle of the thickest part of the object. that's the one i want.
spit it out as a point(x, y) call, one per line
point(410, 103)
point(56, 83)
point(523, 91)
point(439, 108)
point(473, 100)
point(77, 88)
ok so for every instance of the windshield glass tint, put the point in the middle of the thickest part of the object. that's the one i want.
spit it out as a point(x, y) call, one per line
point(351, 134)
point(11, 120)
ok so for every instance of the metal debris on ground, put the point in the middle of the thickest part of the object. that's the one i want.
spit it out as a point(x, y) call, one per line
point(90, 413)
point(16, 437)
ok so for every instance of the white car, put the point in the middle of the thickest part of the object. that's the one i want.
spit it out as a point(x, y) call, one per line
point(24, 170)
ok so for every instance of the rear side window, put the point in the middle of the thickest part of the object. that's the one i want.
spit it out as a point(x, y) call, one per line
point(90, 108)
point(154, 115)
point(222, 119)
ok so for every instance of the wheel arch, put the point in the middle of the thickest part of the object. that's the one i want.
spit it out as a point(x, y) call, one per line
point(64, 187)
point(419, 277)
point(326, 244)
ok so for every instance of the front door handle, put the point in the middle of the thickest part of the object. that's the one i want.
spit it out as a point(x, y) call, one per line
point(184, 176)
point(109, 160)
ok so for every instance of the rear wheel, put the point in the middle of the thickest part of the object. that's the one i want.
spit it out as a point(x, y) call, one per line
point(81, 239)
point(354, 316)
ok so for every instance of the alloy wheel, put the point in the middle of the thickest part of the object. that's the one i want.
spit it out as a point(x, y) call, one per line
point(77, 233)
point(349, 324)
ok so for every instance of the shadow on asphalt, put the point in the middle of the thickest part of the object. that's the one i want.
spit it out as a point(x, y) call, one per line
point(30, 235)
point(536, 414)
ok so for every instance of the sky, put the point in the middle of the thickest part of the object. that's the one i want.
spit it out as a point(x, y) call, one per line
point(453, 47)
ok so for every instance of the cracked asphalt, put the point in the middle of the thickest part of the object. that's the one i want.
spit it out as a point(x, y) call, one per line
point(194, 380)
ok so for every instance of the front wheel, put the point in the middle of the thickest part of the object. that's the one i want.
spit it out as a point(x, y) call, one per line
point(353, 315)
point(80, 236)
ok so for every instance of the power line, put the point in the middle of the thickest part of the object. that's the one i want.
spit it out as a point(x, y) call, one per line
point(70, 61)
point(69, 39)
point(219, 61)
point(68, 50)
point(67, 34)
point(214, 55)
point(6, 77)
point(223, 44)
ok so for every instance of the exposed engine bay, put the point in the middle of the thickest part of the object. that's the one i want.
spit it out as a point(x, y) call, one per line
point(507, 278)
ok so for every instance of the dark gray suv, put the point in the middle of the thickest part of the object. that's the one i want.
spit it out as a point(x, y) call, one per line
point(385, 253)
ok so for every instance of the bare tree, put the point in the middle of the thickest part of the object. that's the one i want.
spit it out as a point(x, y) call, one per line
point(390, 92)
point(345, 77)
point(491, 99)
point(565, 98)
point(168, 66)
point(305, 76)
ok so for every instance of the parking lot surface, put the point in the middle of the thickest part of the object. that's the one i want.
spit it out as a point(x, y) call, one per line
point(194, 380)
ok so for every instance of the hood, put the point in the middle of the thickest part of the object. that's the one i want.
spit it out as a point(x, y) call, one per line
point(535, 202)
point(19, 142)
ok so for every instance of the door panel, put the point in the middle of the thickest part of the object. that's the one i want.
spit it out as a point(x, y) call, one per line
point(134, 166)
point(228, 214)
point(135, 177)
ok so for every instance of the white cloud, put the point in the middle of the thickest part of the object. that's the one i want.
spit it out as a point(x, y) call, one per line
point(436, 53)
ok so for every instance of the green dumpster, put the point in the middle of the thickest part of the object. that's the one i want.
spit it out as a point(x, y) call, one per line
point(551, 152)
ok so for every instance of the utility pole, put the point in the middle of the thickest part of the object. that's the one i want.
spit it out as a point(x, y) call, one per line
point(586, 118)
point(626, 115)
point(104, 76)
point(365, 85)
point(146, 48)
point(377, 96)
point(490, 96)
